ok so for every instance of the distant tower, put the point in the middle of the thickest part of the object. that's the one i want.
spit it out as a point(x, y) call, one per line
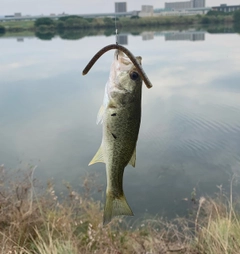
point(121, 7)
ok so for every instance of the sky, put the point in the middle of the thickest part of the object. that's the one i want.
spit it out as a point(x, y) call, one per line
point(38, 7)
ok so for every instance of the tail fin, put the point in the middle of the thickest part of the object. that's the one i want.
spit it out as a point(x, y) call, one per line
point(114, 207)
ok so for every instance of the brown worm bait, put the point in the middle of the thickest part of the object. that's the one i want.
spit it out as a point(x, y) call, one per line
point(124, 50)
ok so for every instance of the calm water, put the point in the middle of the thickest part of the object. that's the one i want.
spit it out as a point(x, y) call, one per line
point(190, 130)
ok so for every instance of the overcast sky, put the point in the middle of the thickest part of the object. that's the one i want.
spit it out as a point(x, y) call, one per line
point(33, 7)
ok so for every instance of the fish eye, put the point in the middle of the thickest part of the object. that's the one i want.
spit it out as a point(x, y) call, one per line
point(134, 75)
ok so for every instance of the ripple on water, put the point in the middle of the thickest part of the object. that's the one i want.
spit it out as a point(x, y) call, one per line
point(204, 137)
point(199, 123)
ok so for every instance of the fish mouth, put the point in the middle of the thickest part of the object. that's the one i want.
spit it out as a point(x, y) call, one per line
point(119, 53)
point(123, 61)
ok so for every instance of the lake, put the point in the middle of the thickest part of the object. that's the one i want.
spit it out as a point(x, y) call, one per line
point(190, 130)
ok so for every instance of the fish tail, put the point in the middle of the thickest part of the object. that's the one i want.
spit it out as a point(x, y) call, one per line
point(115, 206)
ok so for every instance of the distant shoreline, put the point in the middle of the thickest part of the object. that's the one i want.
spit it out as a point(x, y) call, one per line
point(74, 22)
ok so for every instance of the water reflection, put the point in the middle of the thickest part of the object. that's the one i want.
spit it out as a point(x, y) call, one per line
point(122, 39)
point(190, 131)
point(45, 36)
point(147, 36)
point(191, 34)
point(20, 39)
point(182, 36)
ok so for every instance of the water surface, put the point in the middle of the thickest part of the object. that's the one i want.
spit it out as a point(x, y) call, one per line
point(190, 131)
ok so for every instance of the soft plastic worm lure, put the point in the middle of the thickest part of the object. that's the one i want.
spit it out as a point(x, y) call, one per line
point(124, 50)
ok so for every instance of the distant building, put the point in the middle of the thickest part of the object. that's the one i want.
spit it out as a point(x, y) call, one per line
point(18, 14)
point(121, 7)
point(178, 5)
point(185, 5)
point(226, 8)
point(9, 16)
point(199, 3)
point(147, 10)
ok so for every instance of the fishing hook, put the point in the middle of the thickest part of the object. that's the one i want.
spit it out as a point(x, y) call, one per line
point(124, 50)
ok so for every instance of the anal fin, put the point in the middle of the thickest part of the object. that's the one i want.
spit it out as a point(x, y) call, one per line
point(98, 157)
point(132, 161)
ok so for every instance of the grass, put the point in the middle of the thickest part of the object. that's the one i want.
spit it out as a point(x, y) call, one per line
point(33, 219)
point(13, 26)
point(219, 232)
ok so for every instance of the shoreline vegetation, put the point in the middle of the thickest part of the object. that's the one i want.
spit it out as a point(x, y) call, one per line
point(47, 25)
point(34, 219)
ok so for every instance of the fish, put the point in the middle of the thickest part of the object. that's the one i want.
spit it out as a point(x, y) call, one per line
point(120, 116)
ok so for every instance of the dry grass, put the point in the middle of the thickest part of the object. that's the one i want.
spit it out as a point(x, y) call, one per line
point(219, 229)
point(41, 224)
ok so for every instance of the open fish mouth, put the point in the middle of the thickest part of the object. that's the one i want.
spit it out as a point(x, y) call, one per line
point(130, 56)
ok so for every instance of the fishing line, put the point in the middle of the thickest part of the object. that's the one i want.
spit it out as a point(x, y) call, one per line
point(116, 30)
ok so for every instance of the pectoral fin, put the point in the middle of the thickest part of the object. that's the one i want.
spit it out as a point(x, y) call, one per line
point(98, 157)
point(100, 114)
point(132, 161)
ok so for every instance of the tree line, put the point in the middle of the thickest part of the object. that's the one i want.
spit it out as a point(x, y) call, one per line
point(72, 22)
point(77, 22)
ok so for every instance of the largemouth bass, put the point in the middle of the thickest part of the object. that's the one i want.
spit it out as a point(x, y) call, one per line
point(120, 115)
